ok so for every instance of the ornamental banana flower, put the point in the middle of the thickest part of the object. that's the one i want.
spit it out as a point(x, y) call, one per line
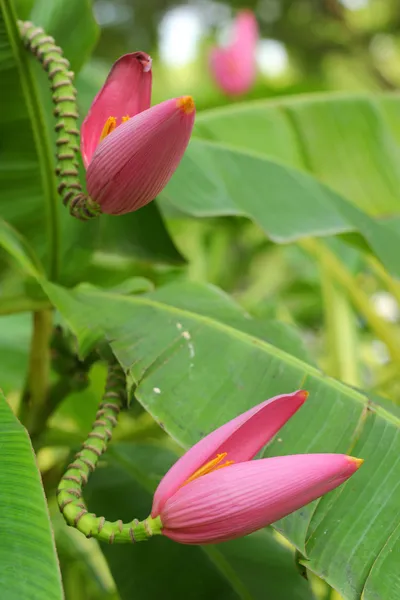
point(234, 67)
point(130, 150)
point(216, 492)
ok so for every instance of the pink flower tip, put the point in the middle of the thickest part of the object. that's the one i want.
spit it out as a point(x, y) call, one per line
point(357, 462)
point(186, 104)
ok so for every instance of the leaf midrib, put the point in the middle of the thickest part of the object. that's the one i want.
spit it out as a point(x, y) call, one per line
point(245, 337)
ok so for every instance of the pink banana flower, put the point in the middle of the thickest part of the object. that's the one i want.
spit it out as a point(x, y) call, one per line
point(234, 66)
point(215, 492)
point(130, 150)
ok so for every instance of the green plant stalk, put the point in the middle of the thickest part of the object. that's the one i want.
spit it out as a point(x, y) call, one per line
point(341, 336)
point(360, 300)
point(35, 393)
point(50, 56)
point(19, 304)
point(392, 285)
point(69, 493)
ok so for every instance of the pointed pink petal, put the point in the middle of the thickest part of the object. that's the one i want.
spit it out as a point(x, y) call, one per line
point(240, 499)
point(135, 162)
point(241, 438)
point(246, 30)
point(126, 92)
point(234, 71)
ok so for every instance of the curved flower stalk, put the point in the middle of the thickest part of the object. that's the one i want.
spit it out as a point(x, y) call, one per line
point(50, 56)
point(130, 150)
point(233, 67)
point(69, 493)
point(216, 492)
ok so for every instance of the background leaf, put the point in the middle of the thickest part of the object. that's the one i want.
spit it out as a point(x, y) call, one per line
point(346, 141)
point(215, 179)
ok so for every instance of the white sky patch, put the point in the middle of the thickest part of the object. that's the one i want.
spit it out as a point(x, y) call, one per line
point(381, 352)
point(156, 390)
point(354, 4)
point(272, 57)
point(383, 47)
point(108, 13)
point(180, 31)
point(386, 306)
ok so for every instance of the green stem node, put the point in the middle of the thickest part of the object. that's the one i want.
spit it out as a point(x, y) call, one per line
point(50, 56)
point(69, 493)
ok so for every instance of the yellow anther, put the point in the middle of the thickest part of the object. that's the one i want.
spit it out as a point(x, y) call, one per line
point(212, 465)
point(186, 104)
point(125, 119)
point(109, 126)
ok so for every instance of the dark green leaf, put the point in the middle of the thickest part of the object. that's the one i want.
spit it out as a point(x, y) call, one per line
point(72, 24)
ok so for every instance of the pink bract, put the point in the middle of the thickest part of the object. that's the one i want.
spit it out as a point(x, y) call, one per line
point(135, 162)
point(234, 67)
point(240, 499)
point(241, 438)
point(130, 150)
point(126, 92)
point(216, 492)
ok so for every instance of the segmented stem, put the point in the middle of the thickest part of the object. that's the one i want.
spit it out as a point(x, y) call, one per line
point(69, 493)
point(43, 47)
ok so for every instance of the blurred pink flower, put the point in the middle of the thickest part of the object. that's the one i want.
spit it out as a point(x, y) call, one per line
point(234, 66)
point(130, 150)
point(215, 492)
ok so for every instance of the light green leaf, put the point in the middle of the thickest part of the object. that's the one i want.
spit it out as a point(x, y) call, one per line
point(347, 141)
point(29, 566)
point(216, 179)
point(195, 368)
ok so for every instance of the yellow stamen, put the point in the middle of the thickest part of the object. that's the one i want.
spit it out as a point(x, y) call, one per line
point(125, 119)
point(212, 465)
point(109, 126)
point(186, 104)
